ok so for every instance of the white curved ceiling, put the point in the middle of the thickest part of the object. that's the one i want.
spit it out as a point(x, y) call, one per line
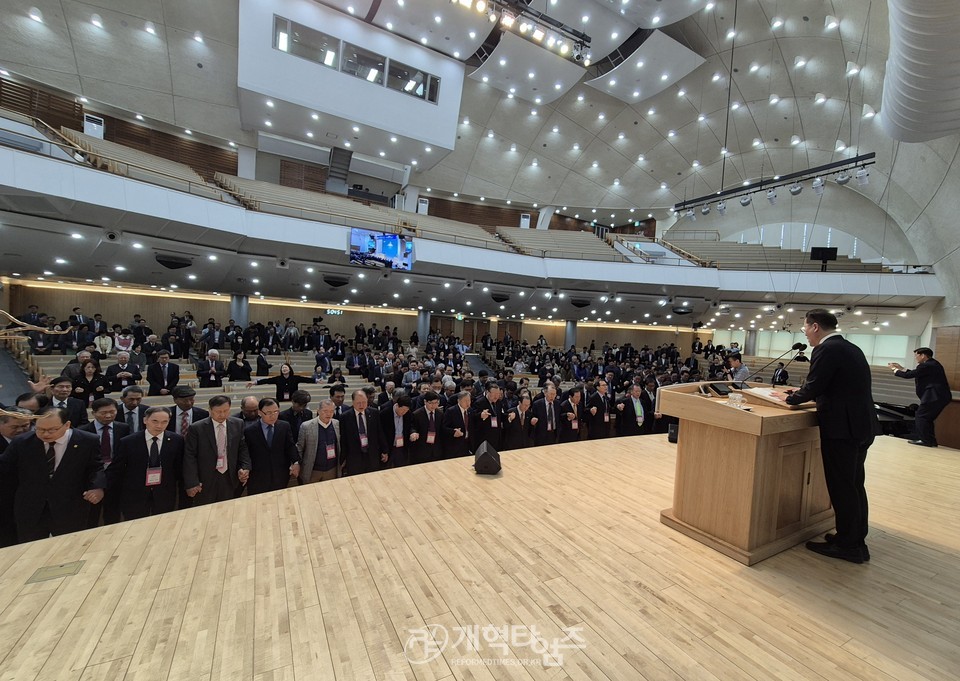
point(921, 90)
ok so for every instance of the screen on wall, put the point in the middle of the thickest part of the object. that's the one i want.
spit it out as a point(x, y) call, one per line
point(376, 249)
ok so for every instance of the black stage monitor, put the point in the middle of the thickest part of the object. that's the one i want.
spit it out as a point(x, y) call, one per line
point(822, 253)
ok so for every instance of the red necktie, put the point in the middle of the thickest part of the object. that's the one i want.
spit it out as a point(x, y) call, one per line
point(105, 451)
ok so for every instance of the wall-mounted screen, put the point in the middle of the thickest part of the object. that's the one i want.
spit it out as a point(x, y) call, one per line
point(376, 249)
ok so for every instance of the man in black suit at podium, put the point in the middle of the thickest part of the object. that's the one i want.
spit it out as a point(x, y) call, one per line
point(933, 391)
point(839, 380)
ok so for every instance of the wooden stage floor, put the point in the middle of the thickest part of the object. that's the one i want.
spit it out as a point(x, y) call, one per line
point(559, 568)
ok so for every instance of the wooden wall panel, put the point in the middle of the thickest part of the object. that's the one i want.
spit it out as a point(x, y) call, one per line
point(203, 158)
point(303, 175)
point(478, 214)
point(946, 348)
point(570, 224)
point(647, 228)
point(52, 109)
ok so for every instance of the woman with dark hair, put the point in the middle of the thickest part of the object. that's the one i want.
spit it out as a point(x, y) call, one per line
point(90, 384)
point(336, 376)
point(239, 368)
point(287, 382)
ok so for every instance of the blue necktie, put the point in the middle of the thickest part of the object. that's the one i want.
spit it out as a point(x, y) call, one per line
point(270, 436)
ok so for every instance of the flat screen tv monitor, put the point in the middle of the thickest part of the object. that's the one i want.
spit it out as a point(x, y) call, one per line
point(376, 249)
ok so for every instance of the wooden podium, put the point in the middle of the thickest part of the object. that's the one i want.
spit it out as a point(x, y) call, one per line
point(748, 483)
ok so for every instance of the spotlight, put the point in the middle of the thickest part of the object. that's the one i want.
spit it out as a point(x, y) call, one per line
point(705, 210)
point(690, 214)
point(722, 207)
point(817, 186)
point(843, 178)
point(869, 111)
point(795, 189)
point(772, 196)
point(830, 22)
point(795, 140)
point(507, 19)
point(578, 51)
point(863, 177)
point(745, 201)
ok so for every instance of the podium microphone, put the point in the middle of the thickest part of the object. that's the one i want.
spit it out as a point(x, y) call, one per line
point(796, 346)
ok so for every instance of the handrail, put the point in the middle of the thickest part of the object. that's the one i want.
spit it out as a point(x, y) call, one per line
point(681, 234)
point(684, 254)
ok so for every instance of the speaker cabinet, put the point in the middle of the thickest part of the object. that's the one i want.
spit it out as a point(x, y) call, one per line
point(486, 460)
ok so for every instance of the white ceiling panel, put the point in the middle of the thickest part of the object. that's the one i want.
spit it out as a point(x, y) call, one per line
point(530, 71)
point(654, 13)
point(654, 66)
point(446, 27)
point(607, 28)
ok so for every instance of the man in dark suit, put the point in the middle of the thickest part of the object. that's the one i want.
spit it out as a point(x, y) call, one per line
point(163, 376)
point(933, 391)
point(132, 410)
point(147, 471)
point(58, 474)
point(297, 414)
point(519, 431)
point(396, 422)
point(122, 374)
point(109, 432)
point(273, 451)
point(456, 427)
point(653, 421)
point(546, 411)
point(361, 438)
point(12, 425)
point(839, 380)
point(60, 389)
point(489, 416)
point(215, 457)
point(599, 409)
point(185, 414)
point(780, 375)
point(571, 418)
point(425, 433)
point(211, 371)
point(630, 413)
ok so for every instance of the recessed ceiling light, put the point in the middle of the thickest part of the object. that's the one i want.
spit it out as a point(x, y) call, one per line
point(150, 28)
point(701, 118)
point(198, 36)
point(777, 22)
point(389, 26)
point(800, 61)
point(664, 76)
point(356, 128)
point(269, 104)
point(268, 123)
point(191, 277)
point(651, 111)
point(60, 261)
point(393, 139)
point(83, 100)
point(731, 34)
point(118, 268)
point(820, 98)
point(188, 132)
point(309, 134)
point(315, 116)
point(382, 154)
point(774, 99)
point(35, 14)
point(96, 21)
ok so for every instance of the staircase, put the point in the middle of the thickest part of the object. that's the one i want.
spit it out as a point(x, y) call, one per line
point(339, 167)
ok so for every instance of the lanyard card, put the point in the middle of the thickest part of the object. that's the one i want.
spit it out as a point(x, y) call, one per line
point(364, 442)
point(398, 441)
point(331, 452)
point(431, 437)
point(154, 476)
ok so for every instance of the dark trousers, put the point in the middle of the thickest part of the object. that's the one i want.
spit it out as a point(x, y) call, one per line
point(109, 508)
point(843, 468)
point(398, 457)
point(924, 418)
point(219, 490)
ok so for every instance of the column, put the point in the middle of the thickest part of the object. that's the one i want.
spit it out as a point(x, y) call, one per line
point(570, 334)
point(423, 325)
point(750, 343)
point(240, 308)
point(412, 196)
point(545, 216)
point(247, 163)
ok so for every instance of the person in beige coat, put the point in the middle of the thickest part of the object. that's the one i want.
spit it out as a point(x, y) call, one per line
point(319, 446)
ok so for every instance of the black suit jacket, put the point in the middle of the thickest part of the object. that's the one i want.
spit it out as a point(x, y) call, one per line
point(932, 385)
point(122, 415)
point(519, 433)
point(840, 382)
point(80, 469)
point(570, 429)
point(357, 461)
point(389, 429)
point(627, 419)
point(116, 384)
point(483, 430)
point(296, 420)
point(541, 436)
point(77, 410)
point(200, 456)
point(598, 424)
point(423, 451)
point(155, 377)
point(455, 446)
point(270, 463)
point(120, 431)
point(127, 475)
point(197, 414)
point(210, 379)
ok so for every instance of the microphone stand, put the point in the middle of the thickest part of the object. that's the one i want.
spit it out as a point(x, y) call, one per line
point(770, 363)
point(799, 358)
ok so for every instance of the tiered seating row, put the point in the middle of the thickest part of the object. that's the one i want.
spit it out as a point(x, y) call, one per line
point(731, 255)
point(559, 244)
point(139, 165)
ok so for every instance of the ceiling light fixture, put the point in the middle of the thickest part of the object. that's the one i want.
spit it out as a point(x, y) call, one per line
point(830, 22)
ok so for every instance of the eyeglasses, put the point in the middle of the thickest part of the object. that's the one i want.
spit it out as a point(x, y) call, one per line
point(50, 431)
